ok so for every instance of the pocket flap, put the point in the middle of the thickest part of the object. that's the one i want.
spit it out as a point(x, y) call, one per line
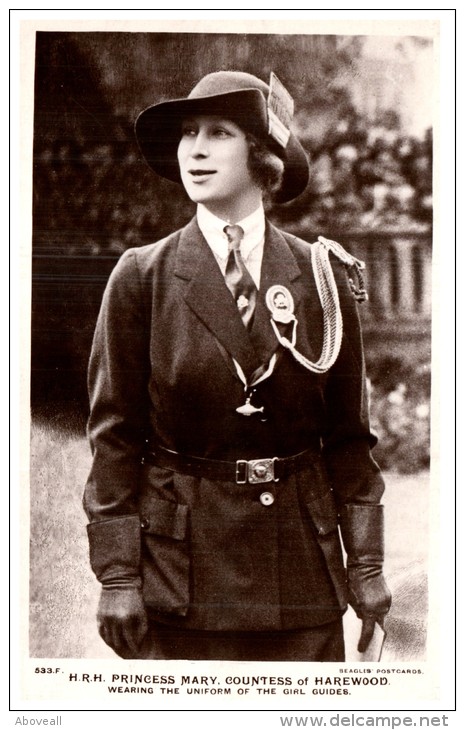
point(164, 518)
point(323, 513)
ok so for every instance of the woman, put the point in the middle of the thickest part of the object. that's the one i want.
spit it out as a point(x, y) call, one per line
point(225, 451)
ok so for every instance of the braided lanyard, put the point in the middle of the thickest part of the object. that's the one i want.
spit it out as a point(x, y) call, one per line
point(329, 299)
point(283, 313)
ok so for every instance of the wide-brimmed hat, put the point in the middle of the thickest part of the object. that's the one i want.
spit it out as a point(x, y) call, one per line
point(261, 109)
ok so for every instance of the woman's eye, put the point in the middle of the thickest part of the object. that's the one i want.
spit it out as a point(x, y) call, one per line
point(188, 132)
point(220, 132)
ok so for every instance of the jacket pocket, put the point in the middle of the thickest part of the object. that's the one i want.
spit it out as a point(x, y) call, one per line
point(165, 555)
point(323, 513)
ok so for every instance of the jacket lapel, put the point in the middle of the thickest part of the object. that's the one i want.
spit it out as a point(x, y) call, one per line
point(207, 295)
point(279, 266)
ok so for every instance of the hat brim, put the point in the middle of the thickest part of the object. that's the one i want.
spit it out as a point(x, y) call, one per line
point(158, 131)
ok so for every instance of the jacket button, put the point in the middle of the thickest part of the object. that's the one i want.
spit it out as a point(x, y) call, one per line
point(145, 523)
point(266, 499)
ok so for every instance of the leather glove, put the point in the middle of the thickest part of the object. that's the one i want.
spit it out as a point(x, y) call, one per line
point(362, 529)
point(122, 618)
point(114, 550)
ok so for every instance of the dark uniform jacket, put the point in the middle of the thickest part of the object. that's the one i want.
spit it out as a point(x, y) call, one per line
point(212, 554)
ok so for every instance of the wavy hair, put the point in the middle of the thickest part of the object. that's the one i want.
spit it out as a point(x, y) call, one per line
point(266, 168)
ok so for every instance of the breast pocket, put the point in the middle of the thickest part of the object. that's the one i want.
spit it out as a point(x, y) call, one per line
point(165, 555)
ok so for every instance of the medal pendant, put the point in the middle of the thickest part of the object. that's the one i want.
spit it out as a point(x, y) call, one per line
point(248, 409)
point(280, 303)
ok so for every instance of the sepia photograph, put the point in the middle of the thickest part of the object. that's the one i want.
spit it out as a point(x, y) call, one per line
point(231, 277)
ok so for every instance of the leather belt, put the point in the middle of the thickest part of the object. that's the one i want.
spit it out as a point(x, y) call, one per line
point(242, 471)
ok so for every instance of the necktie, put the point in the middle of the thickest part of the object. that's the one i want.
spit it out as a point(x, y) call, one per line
point(237, 278)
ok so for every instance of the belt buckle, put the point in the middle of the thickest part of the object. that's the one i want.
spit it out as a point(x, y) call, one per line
point(260, 471)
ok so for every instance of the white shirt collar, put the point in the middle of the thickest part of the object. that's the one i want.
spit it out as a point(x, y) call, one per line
point(212, 228)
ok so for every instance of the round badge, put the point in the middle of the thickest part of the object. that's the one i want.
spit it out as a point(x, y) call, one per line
point(280, 303)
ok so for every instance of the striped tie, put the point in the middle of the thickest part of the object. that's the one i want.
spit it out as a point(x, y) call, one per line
point(237, 278)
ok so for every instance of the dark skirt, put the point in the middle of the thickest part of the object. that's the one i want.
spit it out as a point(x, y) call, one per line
point(323, 643)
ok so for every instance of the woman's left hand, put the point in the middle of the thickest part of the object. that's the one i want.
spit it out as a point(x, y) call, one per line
point(122, 619)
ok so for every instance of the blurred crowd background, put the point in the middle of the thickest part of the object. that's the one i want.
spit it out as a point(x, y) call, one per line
point(362, 116)
point(364, 175)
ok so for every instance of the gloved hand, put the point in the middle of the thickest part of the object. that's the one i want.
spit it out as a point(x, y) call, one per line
point(370, 598)
point(121, 618)
point(362, 529)
point(114, 549)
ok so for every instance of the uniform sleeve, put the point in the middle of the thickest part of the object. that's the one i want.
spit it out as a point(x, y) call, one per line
point(354, 475)
point(118, 391)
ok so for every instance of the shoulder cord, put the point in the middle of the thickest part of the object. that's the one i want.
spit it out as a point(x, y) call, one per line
point(350, 262)
point(329, 298)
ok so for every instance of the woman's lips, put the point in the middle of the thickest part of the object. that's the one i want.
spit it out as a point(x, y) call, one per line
point(199, 175)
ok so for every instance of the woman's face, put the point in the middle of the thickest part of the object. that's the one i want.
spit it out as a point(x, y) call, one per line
point(213, 160)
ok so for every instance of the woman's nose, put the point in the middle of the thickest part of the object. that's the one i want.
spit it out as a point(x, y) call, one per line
point(200, 146)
